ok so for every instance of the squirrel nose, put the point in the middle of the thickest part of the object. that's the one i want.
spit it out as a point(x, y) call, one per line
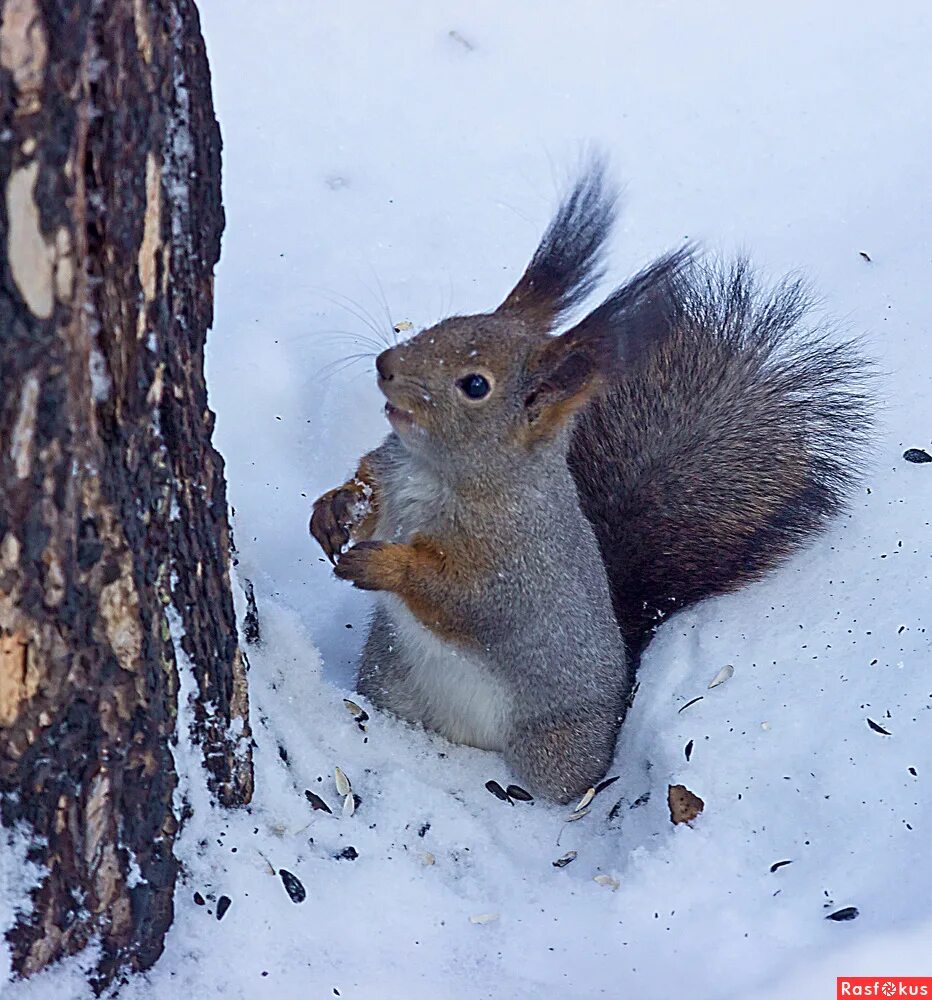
point(383, 365)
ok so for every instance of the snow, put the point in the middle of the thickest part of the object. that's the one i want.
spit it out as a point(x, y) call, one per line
point(402, 159)
point(101, 385)
point(18, 876)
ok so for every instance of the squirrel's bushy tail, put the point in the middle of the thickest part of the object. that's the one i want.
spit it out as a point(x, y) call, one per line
point(733, 441)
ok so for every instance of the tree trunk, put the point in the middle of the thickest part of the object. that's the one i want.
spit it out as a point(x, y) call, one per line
point(114, 540)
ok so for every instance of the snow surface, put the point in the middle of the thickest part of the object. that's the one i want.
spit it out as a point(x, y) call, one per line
point(404, 158)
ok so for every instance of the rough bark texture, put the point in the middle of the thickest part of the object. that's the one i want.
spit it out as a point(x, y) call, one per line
point(113, 523)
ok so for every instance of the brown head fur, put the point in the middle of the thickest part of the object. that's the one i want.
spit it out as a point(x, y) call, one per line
point(477, 391)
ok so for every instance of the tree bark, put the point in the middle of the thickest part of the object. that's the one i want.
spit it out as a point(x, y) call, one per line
point(114, 540)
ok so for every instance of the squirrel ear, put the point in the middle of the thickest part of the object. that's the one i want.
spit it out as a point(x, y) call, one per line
point(566, 371)
point(568, 262)
point(562, 376)
point(637, 316)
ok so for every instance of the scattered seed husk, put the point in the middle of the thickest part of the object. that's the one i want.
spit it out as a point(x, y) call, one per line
point(689, 749)
point(359, 714)
point(349, 805)
point(865, 255)
point(845, 913)
point(428, 858)
point(496, 789)
point(199, 899)
point(347, 854)
point(292, 885)
point(403, 326)
point(641, 800)
point(585, 800)
point(765, 726)
point(878, 728)
point(779, 864)
point(693, 701)
point(316, 801)
point(577, 814)
point(605, 782)
point(684, 805)
point(564, 859)
point(607, 880)
point(519, 793)
point(223, 904)
point(725, 674)
point(342, 782)
point(483, 918)
point(917, 455)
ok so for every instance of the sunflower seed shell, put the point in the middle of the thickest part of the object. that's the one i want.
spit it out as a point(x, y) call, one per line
point(585, 800)
point(725, 674)
point(341, 781)
point(608, 880)
point(563, 861)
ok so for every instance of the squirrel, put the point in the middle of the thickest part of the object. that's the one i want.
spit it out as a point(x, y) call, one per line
point(544, 500)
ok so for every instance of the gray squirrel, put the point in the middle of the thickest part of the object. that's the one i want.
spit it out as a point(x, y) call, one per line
point(543, 501)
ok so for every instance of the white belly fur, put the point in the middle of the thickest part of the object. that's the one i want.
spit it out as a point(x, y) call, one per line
point(456, 693)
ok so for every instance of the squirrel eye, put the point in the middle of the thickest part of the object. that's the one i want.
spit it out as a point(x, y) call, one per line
point(475, 386)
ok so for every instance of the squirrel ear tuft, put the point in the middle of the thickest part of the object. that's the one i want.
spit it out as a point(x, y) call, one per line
point(568, 262)
point(636, 316)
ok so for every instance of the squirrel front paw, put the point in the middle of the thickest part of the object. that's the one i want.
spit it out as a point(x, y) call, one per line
point(335, 515)
point(370, 565)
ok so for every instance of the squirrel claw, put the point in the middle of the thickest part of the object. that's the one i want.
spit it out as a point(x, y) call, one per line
point(331, 520)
